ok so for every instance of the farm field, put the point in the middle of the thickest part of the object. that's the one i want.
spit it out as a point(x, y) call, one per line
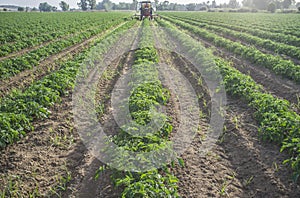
point(223, 88)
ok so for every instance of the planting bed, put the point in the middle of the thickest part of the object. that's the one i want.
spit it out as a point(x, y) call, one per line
point(44, 154)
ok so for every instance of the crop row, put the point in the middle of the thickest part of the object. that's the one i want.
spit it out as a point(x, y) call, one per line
point(20, 108)
point(281, 24)
point(13, 66)
point(17, 26)
point(279, 37)
point(280, 48)
point(276, 27)
point(277, 121)
point(275, 63)
point(146, 93)
point(55, 32)
point(24, 26)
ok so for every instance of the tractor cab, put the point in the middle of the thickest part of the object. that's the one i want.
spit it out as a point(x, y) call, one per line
point(145, 9)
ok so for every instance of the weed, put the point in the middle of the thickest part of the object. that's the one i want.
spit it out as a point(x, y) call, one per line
point(248, 181)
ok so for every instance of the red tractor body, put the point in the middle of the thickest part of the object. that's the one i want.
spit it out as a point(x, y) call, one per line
point(146, 10)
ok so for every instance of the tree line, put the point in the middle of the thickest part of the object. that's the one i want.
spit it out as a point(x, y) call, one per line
point(45, 7)
point(85, 5)
point(264, 4)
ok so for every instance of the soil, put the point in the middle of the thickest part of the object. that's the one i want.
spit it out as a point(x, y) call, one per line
point(50, 64)
point(240, 165)
point(52, 161)
point(39, 161)
point(84, 183)
point(43, 163)
point(26, 50)
point(32, 48)
point(54, 151)
point(263, 50)
point(272, 83)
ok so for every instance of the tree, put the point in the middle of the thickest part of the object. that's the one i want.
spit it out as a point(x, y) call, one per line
point(203, 8)
point(133, 5)
point(213, 4)
point(247, 3)
point(261, 4)
point(45, 7)
point(165, 5)
point(92, 4)
point(34, 9)
point(64, 6)
point(106, 5)
point(207, 4)
point(21, 9)
point(278, 4)
point(123, 6)
point(83, 5)
point(233, 4)
point(286, 4)
point(99, 6)
point(191, 6)
point(298, 6)
point(170, 6)
point(157, 4)
point(272, 7)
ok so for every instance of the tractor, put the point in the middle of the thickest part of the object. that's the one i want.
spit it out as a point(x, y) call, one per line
point(145, 9)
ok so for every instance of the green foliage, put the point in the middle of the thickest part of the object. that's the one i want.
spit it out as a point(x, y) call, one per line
point(64, 6)
point(277, 121)
point(287, 3)
point(83, 4)
point(45, 7)
point(147, 93)
point(13, 66)
point(280, 66)
point(21, 9)
point(92, 4)
point(271, 7)
point(151, 184)
point(13, 127)
point(20, 108)
point(87, 4)
point(233, 4)
point(261, 25)
point(33, 29)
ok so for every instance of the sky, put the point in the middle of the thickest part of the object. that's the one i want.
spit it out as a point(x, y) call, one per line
point(73, 3)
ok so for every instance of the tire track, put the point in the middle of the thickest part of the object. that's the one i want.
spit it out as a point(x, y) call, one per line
point(240, 164)
point(274, 84)
point(42, 163)
point(84, 184)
